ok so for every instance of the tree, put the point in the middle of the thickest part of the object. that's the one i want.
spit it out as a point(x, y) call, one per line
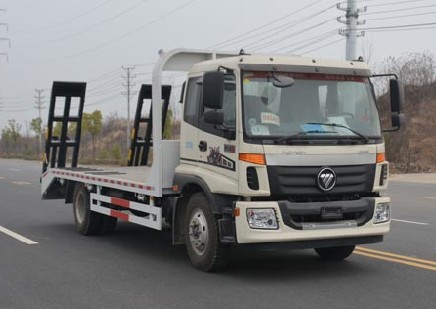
point(12, 132)
point(411, 148)
point(36, 126)
point(57, 129)
point(93, 124)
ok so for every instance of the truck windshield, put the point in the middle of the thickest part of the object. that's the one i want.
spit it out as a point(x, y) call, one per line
point(315, 106)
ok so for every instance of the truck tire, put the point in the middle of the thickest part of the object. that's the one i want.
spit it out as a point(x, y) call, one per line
point(87, 222)
point(202, 235)
point(335, 253)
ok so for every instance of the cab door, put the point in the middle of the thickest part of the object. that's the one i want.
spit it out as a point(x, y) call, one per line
point(190, 127)
point(217, 145)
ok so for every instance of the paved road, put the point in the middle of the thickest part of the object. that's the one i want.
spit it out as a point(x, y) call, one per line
point(138, 268)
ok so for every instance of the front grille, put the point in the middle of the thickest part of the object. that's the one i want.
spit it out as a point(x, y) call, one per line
point(295, 215)
point(318, 218)
point(299, 181)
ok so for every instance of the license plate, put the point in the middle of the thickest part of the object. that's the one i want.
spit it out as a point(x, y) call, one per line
point(331, 213)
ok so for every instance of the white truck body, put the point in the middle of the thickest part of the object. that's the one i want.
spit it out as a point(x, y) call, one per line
point(219, 171)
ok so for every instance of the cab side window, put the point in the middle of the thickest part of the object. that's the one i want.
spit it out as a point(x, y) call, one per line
point(192, 101)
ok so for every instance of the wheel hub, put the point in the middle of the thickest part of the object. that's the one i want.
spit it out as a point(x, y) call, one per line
point(198, 233)
point(80, 209)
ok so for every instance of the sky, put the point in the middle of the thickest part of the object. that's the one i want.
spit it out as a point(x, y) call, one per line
point(91, 40)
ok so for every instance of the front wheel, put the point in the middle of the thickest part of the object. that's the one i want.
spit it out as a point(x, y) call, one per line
point(201, 235)
point(335, 253)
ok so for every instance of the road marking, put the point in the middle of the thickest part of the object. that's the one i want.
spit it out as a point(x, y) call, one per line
point(21, 183)
point(15, 169)
point(411, 222)
point(17, 236)
point(396, 258)
point(2, 177)
point(430, 197)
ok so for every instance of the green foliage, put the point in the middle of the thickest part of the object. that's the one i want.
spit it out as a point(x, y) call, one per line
point(93, 124)
point(36, 125)
point(57, 129)
point(168, 129)
point(104, 155)
point(11, 133)
point(116, 152)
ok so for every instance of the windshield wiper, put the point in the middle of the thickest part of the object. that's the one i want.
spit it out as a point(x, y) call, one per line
point(300, 136)
point(293, 137)
point(337, 125)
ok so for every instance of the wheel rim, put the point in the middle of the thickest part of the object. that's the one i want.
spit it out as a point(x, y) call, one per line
point(80, 209)
point(198, 232)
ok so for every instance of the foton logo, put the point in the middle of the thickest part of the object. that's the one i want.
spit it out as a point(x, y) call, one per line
point(326, 179)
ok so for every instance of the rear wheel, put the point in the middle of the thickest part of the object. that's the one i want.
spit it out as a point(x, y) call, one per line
point(87, 222)
point(201, 235)
point(335, 253)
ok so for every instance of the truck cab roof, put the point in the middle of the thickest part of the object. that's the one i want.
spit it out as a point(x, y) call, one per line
point(291, 63)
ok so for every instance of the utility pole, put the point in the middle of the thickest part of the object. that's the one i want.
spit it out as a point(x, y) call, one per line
point(4, 39)
point(351, 32)
point(39, 106)
point(129, 84)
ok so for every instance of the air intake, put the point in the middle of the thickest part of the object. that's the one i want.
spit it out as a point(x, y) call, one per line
point(252, 179)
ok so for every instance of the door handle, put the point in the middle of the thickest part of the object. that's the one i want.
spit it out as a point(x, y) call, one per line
point(202, 146)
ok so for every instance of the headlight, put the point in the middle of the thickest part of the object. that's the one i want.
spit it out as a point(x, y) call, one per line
point(262, 218)
point(382, 213)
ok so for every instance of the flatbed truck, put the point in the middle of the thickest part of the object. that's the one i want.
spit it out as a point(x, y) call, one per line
point(274, 152)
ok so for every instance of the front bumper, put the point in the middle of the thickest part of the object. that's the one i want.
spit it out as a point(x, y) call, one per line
point(291, 230)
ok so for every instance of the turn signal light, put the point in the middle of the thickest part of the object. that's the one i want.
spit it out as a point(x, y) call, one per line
point(255, 158)
point(380, 157)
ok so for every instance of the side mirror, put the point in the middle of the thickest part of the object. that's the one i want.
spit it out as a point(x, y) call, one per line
point(214, 117)
point(397, 120)
point(213, 86)
point(397, 95)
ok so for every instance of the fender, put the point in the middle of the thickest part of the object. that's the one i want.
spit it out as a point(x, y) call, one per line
point(220, 204)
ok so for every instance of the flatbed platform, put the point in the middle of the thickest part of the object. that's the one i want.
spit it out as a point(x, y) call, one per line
point(136, 179)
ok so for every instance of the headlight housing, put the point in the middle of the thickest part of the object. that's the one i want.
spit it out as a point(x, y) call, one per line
point(382, 213)
point(262, 218)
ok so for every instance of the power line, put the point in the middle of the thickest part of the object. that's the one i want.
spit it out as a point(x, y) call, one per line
point(398, 26)
point(124, 35)
point(314, 40)
point(406, 29)
point(101, 101)
point(104, 84)
point(227, 42)
point(287, 36)
point(295, 23)
point(68, 20)
point(100, 92)
point(322, 46)
point(402, 16)
point(85, 30)
point(396, 3)
point(399, 10)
